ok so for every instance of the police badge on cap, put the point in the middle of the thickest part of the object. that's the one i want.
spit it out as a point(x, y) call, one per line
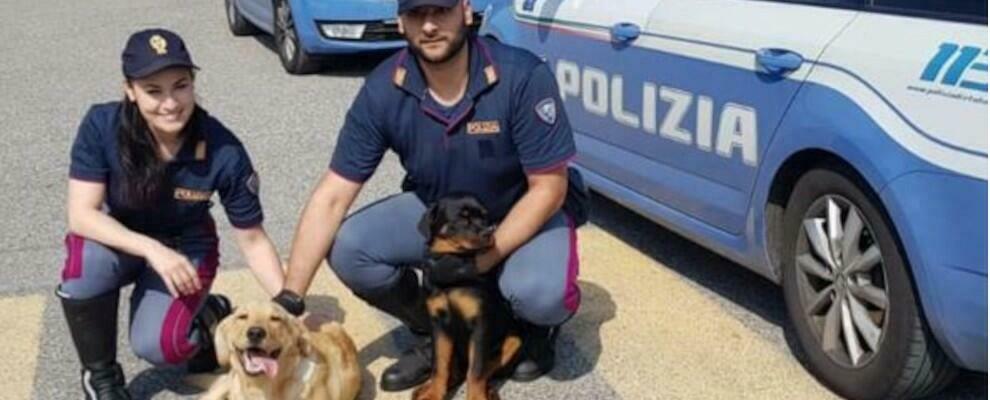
point(153, 50)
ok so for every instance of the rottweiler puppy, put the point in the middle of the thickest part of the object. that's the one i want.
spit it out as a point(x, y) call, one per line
point(475, 334)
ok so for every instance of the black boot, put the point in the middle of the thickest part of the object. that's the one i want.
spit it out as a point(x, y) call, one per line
point(93, 325)
point(216, 308)
point(413, 368)
point(407, 302)
point(538, 352)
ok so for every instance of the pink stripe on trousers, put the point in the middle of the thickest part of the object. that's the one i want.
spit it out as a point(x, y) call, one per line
point(174, 338)
point(572, 294)
point(73, 259)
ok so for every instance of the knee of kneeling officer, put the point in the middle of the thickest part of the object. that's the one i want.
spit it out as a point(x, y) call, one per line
point(152, 350)
point(352, 264)
point(346, 254)
point(536, 304)
point(148, 349)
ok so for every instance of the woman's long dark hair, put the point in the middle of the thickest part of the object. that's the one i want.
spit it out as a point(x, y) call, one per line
point(145, 174)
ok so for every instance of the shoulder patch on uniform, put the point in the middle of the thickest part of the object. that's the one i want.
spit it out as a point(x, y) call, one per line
point(253, 183)
point(490, 75)
point(399, 77)
point(200, 150)
point(546, 109)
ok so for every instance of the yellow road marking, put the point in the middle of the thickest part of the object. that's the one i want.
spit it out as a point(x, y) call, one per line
point(645, 330)
point(660, 337)
point(21, 330)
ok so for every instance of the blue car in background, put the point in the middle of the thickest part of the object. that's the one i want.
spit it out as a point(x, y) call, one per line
point(836, 147)
point(306, 31)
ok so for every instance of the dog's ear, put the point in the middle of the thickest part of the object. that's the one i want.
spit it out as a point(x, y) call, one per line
point(305, 345)
point(220, 344)
point(298, 329)
point(428, 220)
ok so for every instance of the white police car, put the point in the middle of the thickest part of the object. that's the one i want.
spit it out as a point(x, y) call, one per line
point(838, 147)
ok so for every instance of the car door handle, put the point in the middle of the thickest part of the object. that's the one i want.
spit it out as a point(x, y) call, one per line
point(778, 61)
point(624, 32)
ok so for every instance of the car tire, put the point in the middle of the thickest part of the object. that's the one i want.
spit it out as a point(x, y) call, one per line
point(236, 22)
point(294, 59)
point(834, 308)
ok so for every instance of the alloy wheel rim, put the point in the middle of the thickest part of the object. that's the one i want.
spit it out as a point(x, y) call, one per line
point(231, 12)
point(842, 281)
point(288, 34)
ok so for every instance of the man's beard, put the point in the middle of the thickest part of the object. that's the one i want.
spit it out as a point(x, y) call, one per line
point(455, 47)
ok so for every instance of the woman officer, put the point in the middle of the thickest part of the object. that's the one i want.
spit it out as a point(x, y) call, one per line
point(142, 173)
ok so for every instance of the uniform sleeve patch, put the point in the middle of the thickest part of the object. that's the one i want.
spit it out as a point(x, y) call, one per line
point(253, 183)
point(546, 109)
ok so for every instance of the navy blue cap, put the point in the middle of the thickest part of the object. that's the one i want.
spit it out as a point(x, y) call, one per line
point(406, 5)
point(153, 50)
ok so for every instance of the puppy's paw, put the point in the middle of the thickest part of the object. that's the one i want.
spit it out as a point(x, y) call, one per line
point(482, 392)
point(429, 391)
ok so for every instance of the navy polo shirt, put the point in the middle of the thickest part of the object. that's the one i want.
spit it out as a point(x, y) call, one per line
point(510, 123)
point(217, 162)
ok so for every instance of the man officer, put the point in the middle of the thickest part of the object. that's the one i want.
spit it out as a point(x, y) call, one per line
point(464, 114)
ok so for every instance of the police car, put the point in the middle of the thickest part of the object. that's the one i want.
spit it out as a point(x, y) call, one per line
point(306, 31)
point(837, 147)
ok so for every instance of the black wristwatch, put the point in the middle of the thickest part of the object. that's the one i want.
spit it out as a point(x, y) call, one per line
point(290, 301)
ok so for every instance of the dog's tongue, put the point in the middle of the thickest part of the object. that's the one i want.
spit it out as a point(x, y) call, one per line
point(259, 363)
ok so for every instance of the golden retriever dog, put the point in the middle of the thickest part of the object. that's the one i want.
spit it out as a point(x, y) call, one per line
point(273, 356)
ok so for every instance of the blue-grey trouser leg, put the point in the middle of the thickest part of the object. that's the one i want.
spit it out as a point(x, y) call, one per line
point(160, 325)
point(376, 242)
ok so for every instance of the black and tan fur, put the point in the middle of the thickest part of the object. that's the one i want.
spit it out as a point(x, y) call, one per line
point(475, 334)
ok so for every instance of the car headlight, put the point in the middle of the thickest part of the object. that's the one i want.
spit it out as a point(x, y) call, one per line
point(343, 31)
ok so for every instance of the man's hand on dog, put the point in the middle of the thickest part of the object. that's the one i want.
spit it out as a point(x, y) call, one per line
point(290, 301)
point(448, 270)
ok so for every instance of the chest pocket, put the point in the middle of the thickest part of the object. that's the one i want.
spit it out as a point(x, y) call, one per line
point(191, 195)
point(190, 203)
point(488, 140)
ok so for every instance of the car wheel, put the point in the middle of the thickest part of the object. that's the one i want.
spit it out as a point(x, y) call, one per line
point(850, 296)
point(294, 59)
point(236, 22)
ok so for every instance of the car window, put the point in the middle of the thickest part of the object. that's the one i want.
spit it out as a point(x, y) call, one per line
point(957, 7)
point(958, 10)
point(849, 3)
point(858, 4)
point(966, 9)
